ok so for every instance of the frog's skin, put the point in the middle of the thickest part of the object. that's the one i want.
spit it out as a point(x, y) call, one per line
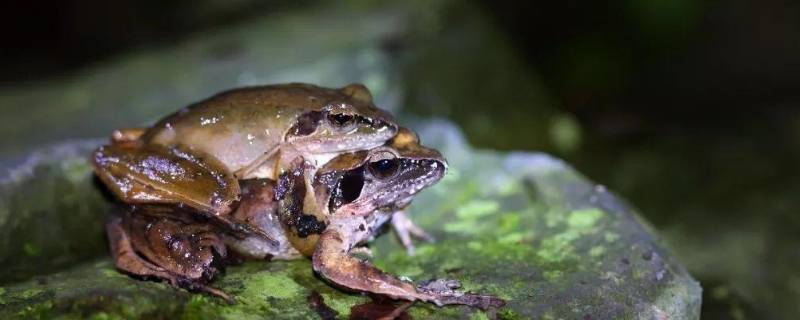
point(143, 239)
point(196, 156)
point(356, 194)
point(346, 181)
point(151, 242)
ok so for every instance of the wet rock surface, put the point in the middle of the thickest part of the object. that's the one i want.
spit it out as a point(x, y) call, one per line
point(523, 226)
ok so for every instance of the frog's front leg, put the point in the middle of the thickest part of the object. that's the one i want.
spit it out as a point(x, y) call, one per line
point(179, 253)
point(332, 260)
point(405, 229)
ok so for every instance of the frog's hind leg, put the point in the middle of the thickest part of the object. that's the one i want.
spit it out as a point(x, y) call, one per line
point(126, 259)
point(155, 174)
point(128, 254)
point(333, 261)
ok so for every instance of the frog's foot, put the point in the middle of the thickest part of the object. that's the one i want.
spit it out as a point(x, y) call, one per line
point(446, 292)
point(125, 250)
point(405, 229)
point(332, 261)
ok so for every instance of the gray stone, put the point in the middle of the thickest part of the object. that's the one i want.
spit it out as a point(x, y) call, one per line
point(523, 226)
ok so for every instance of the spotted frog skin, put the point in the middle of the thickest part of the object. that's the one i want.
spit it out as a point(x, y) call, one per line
point(355, 194)
point(196, 157)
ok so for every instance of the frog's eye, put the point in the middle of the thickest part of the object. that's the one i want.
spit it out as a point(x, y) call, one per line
point(341, 120)
point(384, 168)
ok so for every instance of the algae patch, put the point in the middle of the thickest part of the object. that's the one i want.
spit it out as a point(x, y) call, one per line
point(264, 284)
point(477, 208)
point(469, 214)
point(584, 218)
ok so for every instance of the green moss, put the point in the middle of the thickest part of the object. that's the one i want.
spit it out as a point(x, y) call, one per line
point(111, 273)
point(508, 314)
point(267, 284)
point(343, 303)
point(200, 307)
point(478, 316)
point(584, 218)
point(105, 316)
point(36, 311)
point(508, 222)
point(76, 170)
point(597, 251)
point(514, 237)
point(558, 247)
point(553, 275)
point(477, 208)
point(611, 236)
point(30, 293)
point(471, 216)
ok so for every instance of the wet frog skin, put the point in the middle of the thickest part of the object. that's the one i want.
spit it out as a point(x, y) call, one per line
point(156, 241)
point(356, 194)
point(195, 157)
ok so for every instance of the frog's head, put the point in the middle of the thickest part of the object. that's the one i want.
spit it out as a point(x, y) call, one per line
point(347, 120)
point(388, 176)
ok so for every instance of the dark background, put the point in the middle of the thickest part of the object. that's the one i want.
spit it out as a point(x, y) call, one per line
point(687, 108)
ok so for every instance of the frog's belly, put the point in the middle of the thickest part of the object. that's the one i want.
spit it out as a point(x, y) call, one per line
point(362, 229)
point(256, 247)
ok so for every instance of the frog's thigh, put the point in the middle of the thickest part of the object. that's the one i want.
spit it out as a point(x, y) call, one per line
point(184, 248)
point(155, 174)
point(332, 260)
point(125, 257)
point(178, 251)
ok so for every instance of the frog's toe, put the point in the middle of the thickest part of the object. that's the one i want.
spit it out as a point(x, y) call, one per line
point(445, 291)
point(405, 229)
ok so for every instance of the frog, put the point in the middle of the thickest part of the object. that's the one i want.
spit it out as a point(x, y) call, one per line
point(281, 207)
point(357, 194)
point(195, 157)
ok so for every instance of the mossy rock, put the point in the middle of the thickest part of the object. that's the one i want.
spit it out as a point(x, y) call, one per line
point(523, 226)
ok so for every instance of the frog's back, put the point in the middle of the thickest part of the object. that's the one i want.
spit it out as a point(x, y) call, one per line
point(239, 125)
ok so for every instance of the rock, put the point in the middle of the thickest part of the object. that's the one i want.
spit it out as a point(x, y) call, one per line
point(523, 226)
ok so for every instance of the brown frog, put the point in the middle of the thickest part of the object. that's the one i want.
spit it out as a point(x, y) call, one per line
point(195, 157)
point(355, 193)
